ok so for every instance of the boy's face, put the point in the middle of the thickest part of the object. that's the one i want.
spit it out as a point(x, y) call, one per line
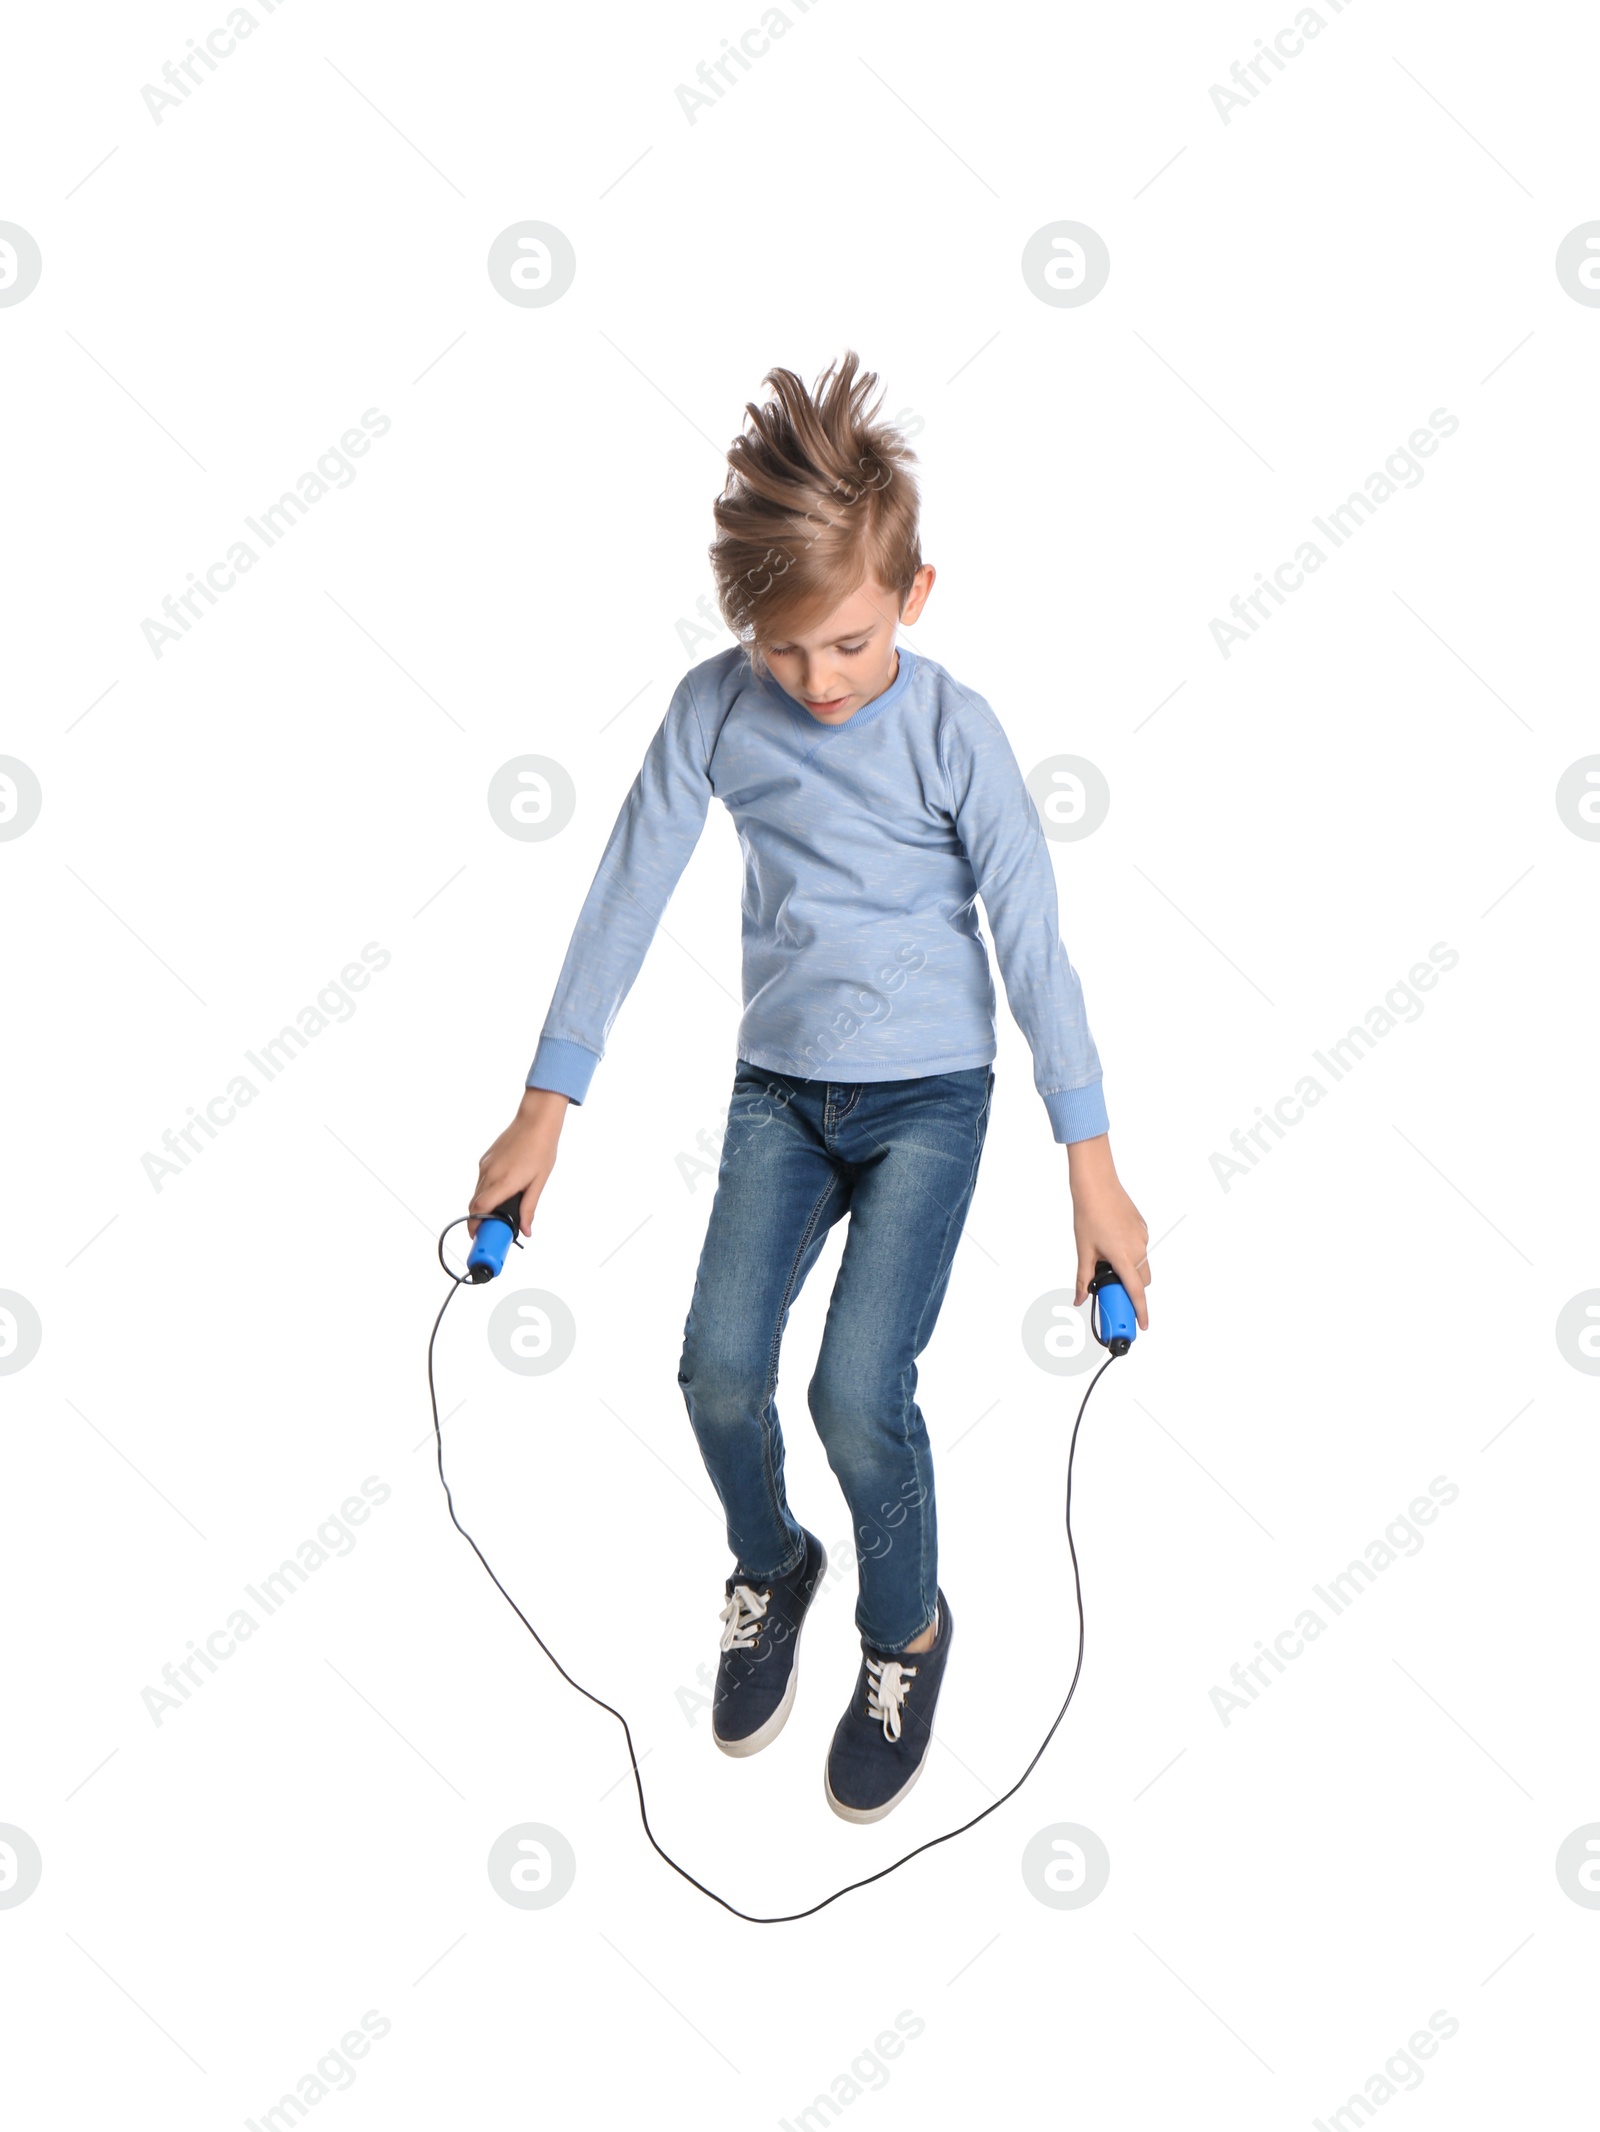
point(849, 657)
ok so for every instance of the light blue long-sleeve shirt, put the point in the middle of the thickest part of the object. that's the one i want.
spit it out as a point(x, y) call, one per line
point(866, 846)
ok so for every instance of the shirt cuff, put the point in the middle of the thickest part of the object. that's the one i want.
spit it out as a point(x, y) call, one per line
point(1077, 1113)
point(565, 1067)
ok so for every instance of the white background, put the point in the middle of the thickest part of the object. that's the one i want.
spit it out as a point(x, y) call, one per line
point(223, 1361)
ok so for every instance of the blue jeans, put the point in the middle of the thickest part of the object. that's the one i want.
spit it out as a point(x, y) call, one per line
point(900, 1158)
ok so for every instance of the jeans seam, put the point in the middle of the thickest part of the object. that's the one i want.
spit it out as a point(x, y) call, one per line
point(770, 1387)
point(937, 1288)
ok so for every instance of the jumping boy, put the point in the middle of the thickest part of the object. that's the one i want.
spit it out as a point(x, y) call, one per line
point(876, 799)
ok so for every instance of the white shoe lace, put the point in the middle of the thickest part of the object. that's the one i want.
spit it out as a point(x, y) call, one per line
point(742, 1618)
point(887, 1688)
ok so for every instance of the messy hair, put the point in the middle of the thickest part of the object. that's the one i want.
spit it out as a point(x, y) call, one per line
point(819, 497)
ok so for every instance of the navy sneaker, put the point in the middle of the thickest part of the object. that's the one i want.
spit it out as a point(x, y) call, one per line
point(881, 1742)
point(756, 1673)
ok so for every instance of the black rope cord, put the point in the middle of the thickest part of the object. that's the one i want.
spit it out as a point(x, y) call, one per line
point(457, 1281)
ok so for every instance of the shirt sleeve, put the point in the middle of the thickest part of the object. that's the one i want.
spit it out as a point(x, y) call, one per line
point(1005, 843)
point(650, 844)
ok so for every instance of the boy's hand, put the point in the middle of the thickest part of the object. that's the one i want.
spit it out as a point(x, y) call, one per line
point(522, 1158)
point(1106, 1223)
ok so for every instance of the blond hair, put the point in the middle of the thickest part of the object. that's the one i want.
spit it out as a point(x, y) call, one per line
point(819, 497)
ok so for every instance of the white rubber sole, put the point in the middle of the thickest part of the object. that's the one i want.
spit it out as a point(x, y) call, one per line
point(764, 1735)
point(873, 1813)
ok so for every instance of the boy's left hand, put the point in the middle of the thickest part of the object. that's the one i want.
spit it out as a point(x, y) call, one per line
point(1107, 1224)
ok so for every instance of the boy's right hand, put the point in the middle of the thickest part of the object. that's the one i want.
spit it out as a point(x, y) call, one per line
point(520, 1162)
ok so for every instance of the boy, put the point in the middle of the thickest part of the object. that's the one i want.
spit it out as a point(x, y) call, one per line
point(875, 800)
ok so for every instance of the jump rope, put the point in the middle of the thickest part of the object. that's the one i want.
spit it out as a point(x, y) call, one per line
point(1114, 1326)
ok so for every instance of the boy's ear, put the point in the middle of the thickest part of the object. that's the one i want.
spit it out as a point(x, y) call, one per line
point(917, 597)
